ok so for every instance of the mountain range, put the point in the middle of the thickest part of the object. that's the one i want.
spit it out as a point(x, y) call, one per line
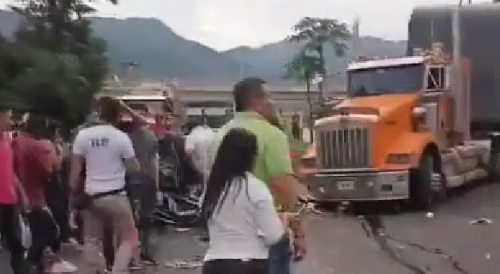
point(163, 54)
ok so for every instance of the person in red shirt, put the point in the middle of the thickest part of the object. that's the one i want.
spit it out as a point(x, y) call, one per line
point(9, 210)
point(35, 160)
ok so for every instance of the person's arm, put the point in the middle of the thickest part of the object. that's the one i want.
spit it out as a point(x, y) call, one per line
point(279, 167)
point(154, 156)
point(19, 190)
point(283, 185)
point(127, 153)
point(75, 172)
point(46, 154)
point(77, 161)
point(268, 222)
point(136, 116)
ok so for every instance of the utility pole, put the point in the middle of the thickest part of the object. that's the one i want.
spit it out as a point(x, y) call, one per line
point(309, 105)
point(433, 40)
point(312, 63)
point(460, 93)
point(355, 38)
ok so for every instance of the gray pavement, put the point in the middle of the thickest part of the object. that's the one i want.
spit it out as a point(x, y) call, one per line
point(337, 244)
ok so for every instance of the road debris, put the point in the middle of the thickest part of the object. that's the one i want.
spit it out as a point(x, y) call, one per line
point(481, 221)
point(184, 264)
point(429, 215)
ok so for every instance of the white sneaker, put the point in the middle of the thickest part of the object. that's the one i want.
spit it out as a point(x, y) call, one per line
point(63, 266)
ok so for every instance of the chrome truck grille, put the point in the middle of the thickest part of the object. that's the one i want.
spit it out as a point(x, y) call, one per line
point(344, 148)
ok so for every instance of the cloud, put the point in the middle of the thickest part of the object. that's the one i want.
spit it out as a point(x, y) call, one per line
point(227, 23)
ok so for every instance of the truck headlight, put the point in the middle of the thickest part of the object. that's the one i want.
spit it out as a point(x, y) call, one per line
point(399, 158)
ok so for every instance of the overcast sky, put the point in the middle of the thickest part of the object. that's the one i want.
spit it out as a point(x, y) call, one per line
point(224, 24)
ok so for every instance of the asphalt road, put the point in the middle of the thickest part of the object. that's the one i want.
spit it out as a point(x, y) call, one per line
point(338, 244)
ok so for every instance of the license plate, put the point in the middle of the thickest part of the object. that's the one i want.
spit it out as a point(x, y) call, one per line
point(345, 185)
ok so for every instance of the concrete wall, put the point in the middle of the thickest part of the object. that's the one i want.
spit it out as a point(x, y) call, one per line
point(288, 99)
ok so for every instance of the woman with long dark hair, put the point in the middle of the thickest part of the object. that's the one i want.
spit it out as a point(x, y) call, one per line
point(239, 209)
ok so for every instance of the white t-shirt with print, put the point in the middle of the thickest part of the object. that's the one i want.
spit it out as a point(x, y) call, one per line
point(104, 148)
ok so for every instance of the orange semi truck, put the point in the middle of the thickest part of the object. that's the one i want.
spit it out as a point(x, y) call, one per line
point(403, 133)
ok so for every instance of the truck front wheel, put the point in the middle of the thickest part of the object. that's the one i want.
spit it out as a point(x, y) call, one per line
point(422, 194)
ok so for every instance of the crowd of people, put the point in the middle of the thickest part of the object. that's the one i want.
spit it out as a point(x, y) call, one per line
point(105, 184)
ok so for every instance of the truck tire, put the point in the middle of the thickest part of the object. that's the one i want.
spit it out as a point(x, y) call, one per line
point(421, 192)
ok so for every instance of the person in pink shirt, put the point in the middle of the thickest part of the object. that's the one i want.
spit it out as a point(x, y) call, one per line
point(9, 209)
point(35, 160)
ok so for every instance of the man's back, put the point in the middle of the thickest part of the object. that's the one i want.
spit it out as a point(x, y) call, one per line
point(146, 148)
point(197, 145)
point(273, 156)
point(104, 148)
point(34, 161)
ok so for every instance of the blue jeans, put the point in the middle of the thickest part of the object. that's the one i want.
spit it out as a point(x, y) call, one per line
point(280, 257)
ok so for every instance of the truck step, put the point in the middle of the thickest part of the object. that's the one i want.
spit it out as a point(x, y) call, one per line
point(467, 177)
point(462, 159)
point(466, 151)
point(461, 166)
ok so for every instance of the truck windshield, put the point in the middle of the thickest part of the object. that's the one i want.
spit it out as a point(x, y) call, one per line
point(388, 80)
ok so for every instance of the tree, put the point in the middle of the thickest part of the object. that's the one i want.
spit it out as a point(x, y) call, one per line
point(62, 65)
point(316, 32)
point(303, 68)
point(11, 65)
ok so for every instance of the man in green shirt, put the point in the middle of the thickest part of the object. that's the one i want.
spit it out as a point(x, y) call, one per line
point(254, 111)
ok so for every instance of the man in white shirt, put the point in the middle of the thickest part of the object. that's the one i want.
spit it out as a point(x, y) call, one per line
point(197, 146)
point(107, 154)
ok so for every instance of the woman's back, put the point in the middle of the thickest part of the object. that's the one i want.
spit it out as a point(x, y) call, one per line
point(245, 224)
point(242, 220)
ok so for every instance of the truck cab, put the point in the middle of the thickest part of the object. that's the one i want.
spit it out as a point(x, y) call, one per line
point(387, 140)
